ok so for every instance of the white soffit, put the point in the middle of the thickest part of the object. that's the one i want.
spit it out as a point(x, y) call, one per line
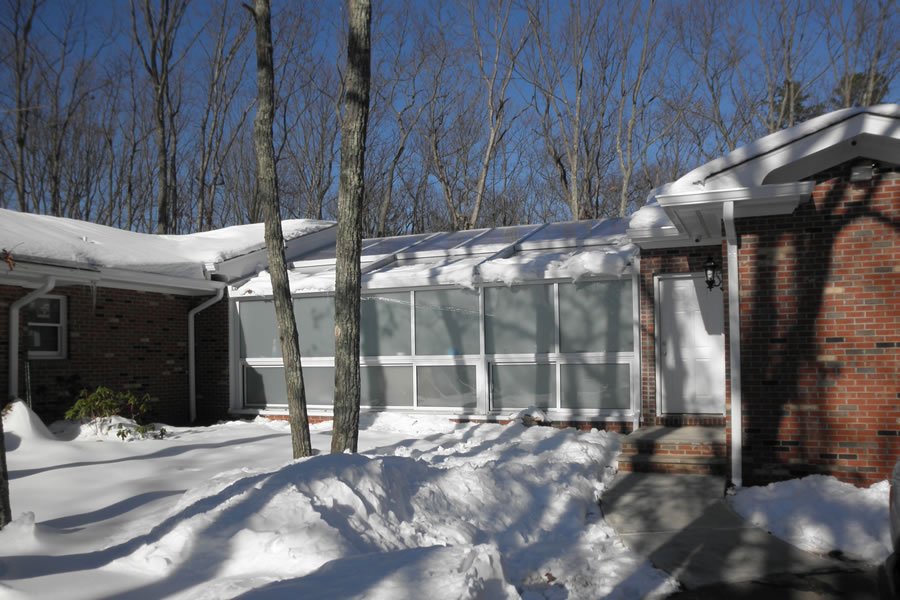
point(698, 215)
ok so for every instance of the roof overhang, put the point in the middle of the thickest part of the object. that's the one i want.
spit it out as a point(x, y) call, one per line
point(33, 274)
point(697, 216)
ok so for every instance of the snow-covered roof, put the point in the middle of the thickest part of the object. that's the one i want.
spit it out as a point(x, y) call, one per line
point(569, 250)
point(61, 243)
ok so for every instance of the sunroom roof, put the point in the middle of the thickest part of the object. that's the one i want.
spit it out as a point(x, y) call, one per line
point(569, 250)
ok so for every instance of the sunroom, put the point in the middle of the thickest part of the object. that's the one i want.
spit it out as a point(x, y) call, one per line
point(472, 324)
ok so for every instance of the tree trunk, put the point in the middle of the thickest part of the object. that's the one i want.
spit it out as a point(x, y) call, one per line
point(267, 190)
point(351, 192)
point(5, 510)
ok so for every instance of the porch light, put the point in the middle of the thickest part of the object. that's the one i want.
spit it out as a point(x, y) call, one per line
point(713, 273)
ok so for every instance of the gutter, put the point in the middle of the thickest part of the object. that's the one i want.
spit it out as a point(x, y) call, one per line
point(192, 375)
point(14, 309)
point(734, 344)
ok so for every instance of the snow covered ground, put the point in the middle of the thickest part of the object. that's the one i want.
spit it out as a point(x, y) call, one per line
point(429, 509)
point(822, 515)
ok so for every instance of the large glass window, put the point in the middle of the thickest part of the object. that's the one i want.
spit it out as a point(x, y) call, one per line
point(447, 322)
point(447, 386)
point(265, 386)
point(592, 387)
point(596, 316)
point(315, 324)
point(522, 386)
point(385, 324)
point(46, 321)
point(259, 330)
point(518, 319)
point(386, 386)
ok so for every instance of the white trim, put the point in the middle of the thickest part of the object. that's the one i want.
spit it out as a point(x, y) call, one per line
point(62, 331)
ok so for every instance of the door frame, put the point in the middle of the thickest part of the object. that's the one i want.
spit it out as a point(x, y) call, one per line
point(660, 400)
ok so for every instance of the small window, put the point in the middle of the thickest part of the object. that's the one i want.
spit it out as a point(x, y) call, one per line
point(45, 319)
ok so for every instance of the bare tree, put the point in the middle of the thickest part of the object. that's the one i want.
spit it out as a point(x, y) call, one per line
point(19, 27)
point(267, 189)
point(864, 48)
point(224, 63)
point(157, 50)
point(351, 196)
point(5, 509)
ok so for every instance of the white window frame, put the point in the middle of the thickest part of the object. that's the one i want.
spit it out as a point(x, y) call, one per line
point(61, 335)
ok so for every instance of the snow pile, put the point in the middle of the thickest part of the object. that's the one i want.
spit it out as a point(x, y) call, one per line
point(529, 265)
point(437, 510)
point(42, 237)
point(821, 514)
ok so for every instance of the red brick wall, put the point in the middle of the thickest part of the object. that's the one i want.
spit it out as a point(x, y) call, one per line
point(661, 262)
point(820, 332)
point(124, 340)
point(212, 375)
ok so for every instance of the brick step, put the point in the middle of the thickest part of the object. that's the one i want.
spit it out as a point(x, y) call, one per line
point(688, 450)
point(684, 465)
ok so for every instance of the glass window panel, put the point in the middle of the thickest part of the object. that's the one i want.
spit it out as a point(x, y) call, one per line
point(389, 245)
point(386, 386)
point(259, 331)
point(44, 310)
point(502, 236)
point(523, 386)
point(596, 316)
point(447, 241)
point(385, 325)
point(570, 233)
point(450, 386)
point(265, 386)
point(315, 324)
point(43, 338)
point(595, 386)
point(447, 322)
point(518, 319)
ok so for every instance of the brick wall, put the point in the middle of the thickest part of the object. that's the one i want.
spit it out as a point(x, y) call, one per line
point(211, 356)
point(121, 339)
point(662, 262)
point(820, 332)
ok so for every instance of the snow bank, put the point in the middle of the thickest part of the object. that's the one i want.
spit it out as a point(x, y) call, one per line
point(20, 422)
point(526, 494)
point(821, 514)
point(68, 240)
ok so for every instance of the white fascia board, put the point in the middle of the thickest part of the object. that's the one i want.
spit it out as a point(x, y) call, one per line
point(664, 237)
point(31, 274)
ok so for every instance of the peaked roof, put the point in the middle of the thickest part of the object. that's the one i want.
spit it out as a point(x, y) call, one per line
point(765, 177)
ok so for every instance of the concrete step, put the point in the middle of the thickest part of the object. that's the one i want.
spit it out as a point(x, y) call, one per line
point(685, 450)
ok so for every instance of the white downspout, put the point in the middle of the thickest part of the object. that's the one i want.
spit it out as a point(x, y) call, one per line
point(734, 344)
point(192, 375)
point(14, 308)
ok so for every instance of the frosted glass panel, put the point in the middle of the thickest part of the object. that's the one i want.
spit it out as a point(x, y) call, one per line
point(315, 325)
point(264, 386)
point(447, 322)
point(518, 319)
point(595, 386)
point(596, 316)
point(385, 325)
point(259, 331)
point(523, 386)
point(451, 386)
point(386, 386)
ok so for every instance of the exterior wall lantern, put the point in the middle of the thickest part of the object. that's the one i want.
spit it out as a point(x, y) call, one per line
point(712, 273)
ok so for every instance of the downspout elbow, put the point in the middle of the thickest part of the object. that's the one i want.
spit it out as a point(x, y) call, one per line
point(14, 309)
point(192, 371)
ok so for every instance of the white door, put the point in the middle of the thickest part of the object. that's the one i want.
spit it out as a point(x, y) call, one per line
point(691, 346)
